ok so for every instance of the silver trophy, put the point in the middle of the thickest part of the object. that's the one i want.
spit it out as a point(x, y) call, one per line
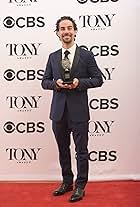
point(66, 67)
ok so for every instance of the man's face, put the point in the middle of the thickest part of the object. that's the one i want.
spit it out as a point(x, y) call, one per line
point(66, 32)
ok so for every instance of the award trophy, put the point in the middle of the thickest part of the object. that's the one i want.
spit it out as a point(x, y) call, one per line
point(66, 67)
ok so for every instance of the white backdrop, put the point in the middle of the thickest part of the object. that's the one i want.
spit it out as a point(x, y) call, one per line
point(107, 27)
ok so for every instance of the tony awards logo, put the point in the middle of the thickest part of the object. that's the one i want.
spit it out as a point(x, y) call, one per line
point(66, 66)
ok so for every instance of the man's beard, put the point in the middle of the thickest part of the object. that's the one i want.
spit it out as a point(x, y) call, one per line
point(67, 40)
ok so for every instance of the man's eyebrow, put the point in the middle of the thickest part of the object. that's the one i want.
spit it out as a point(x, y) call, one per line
point(67, 26)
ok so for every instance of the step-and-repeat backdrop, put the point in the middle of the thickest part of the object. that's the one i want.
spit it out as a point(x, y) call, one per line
point(108, 28)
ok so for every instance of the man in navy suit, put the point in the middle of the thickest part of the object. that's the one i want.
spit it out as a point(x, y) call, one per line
point(69, 109)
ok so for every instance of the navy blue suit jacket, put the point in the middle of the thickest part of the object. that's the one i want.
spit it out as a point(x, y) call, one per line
point(84, 68)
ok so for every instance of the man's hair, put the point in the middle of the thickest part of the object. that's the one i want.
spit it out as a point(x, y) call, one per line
point(65, 18)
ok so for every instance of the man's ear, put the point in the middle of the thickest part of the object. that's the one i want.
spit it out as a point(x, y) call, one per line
point(75, 33)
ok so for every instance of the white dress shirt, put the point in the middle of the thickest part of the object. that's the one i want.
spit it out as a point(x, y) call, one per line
point(71, 55)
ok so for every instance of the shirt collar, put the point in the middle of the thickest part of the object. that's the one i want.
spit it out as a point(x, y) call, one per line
point(71, 49)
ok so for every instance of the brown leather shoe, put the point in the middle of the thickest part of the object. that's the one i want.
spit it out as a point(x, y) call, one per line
point(77, 195)
point(63, 189)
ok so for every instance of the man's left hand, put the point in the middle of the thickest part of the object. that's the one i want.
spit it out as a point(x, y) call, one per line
point(74, 84)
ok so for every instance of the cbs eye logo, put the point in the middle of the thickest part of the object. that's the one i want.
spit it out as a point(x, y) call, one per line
point(9, 75)
point(9, 22)
point(9, 127)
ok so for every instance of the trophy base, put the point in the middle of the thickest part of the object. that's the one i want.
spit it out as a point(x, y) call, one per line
point(68, 82)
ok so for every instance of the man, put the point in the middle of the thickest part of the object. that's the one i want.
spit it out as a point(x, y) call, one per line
point(69, 109)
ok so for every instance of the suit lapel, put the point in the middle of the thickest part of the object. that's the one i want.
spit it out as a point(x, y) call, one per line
point(75, 60)
point(59, 61)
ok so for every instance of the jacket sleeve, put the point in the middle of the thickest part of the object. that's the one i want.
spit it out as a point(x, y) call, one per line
point(47, 81)
point(95, 75)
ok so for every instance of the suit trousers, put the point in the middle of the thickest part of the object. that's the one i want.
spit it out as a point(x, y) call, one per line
point(62, 130)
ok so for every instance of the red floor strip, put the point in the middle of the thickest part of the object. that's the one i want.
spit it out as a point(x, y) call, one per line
point(98, 194)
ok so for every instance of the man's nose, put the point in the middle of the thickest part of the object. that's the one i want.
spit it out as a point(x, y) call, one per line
point(66, 31)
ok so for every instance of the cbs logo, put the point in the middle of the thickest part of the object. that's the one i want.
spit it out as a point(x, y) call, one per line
point(104, 103)
point(21, 127)
point(103, 156)
point(22, 75)
point(22, 22)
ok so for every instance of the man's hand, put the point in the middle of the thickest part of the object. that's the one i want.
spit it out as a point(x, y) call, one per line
point(74, 84)
point(60, 84)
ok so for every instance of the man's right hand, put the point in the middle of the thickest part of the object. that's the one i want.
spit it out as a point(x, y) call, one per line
point(60, 84)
